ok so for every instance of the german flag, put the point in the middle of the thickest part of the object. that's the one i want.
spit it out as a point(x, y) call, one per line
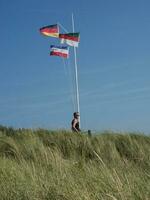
point(51, 30)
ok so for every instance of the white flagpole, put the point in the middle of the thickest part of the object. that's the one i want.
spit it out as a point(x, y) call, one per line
point(76, 71)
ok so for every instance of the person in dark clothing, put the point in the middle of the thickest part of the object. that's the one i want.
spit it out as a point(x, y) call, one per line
point(75, 124)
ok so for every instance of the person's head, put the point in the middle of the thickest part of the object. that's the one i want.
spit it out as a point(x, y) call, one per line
point(76, 115)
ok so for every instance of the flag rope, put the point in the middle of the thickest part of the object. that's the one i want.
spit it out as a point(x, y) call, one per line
point(69, 76)
point(63, 27)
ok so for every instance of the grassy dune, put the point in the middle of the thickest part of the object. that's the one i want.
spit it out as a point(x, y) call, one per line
point(47, 165)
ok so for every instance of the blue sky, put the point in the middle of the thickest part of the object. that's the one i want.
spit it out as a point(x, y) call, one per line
point(113, 63)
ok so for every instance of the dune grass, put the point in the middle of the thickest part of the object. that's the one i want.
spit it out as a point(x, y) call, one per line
point(58, 165)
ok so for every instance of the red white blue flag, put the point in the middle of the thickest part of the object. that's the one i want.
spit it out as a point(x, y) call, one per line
point(61, 51)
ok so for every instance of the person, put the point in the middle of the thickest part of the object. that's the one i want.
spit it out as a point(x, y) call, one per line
point(75, 124)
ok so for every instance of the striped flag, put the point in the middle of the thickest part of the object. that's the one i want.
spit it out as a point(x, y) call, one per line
point(71, 39)
point(61, 51)
point(51, 30)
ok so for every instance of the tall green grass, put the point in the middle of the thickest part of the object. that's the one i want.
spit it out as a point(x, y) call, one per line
point(58, 165)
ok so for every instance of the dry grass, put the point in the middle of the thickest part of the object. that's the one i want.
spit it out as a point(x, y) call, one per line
point(46, 165)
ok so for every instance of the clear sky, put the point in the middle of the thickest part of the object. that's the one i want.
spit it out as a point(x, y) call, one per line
point(113, 63)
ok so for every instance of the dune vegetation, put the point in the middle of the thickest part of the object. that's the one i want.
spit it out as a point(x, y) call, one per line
point(58, 165)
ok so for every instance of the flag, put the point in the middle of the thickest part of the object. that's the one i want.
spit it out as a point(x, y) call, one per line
point(51, 30)
point(61, 51)
point(71, 39)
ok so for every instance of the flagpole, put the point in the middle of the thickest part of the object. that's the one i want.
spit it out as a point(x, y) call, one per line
point(76, 71)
